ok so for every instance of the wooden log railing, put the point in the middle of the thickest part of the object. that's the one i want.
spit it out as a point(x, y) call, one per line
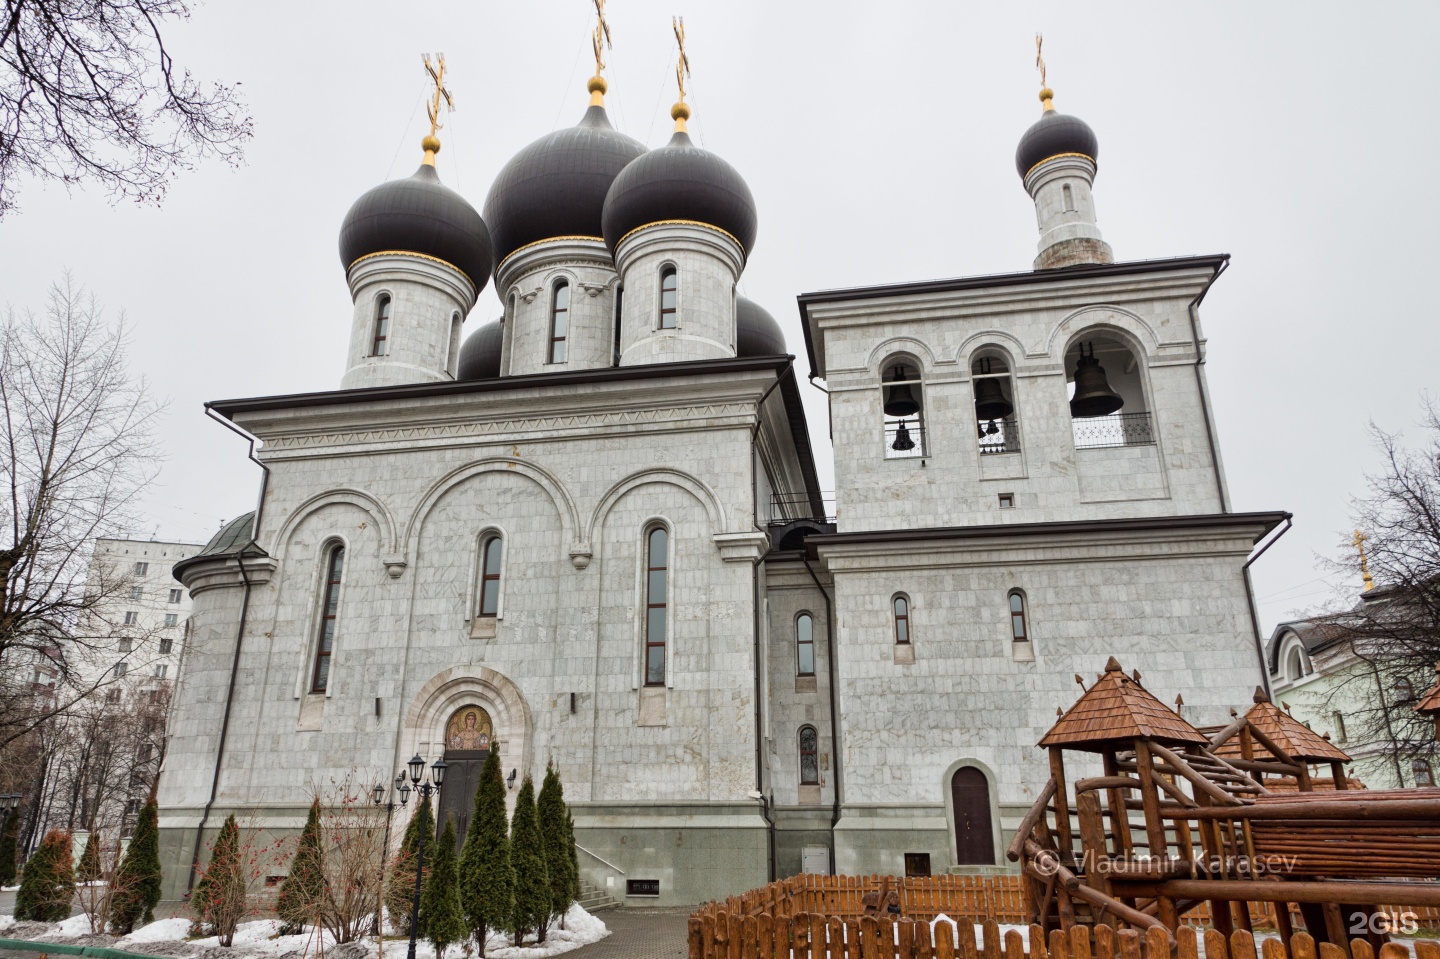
point(724, 935)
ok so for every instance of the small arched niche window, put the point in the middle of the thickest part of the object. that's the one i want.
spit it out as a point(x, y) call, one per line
point(491, 550)
point(809, 756)
point(669, 297)
point(559, 321)
point(329, 615)
point(1297, 666)
point(452, 360)
point(1019, 624)
point(994, 390)
point(380, 342)
point(805, 645)
point(1404, 692)
point(657, 588)
point(902, 395)
point(1067, 196)
point(900, 612)
point(1107, 393)
point(1424, 775)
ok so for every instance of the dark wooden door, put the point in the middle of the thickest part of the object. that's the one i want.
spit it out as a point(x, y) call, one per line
point(970, 798)
point(457, 796)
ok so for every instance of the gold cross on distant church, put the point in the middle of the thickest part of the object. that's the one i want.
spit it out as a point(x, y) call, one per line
point(1039, 57)
point(1359, 542)
point(682, 65)
point(431, 143)
point(601, 37)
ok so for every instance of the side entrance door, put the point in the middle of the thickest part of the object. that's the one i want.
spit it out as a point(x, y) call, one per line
point(970, 799)
point(457, 796)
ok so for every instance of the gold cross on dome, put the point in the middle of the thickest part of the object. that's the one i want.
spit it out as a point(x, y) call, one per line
point(1359, 542)
point(601, 37)
point(1039, 57)
point(682, 65)
point(437, 74)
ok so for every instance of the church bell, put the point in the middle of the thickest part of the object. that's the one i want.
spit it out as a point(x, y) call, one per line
point(903, 441)
point(899, 401)
point(1093, 395)
point(990, 401)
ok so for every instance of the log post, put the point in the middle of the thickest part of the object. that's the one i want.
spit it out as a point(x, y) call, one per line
point(1062, 806)
point(1154, 825)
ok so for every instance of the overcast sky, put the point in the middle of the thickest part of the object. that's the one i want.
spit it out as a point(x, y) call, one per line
point(878, 139)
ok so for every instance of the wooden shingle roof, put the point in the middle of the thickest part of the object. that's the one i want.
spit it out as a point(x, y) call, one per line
point(1115, 710)
point(1429, 704)
point(1298, 740)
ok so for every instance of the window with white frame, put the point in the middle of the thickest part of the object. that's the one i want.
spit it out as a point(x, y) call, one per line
point(805, 645)
point(491, 548)
point(657, 601)
point(176, 595)
point(900, 612)
point(329, 615)
point(809, 756)
point(380, 341)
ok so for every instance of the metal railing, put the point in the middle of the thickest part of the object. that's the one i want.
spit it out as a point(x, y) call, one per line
point(910, 436)
point(790, 507)
point(1120, 429)
point(1005, 439)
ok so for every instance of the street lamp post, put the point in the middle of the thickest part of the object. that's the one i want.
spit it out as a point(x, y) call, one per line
point(425, 789)
point(377, 795)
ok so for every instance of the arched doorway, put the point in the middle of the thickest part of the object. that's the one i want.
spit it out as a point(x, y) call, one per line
point(468, 737)
point(970, 800)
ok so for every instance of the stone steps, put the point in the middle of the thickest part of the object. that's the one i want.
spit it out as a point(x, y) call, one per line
point(594, 899)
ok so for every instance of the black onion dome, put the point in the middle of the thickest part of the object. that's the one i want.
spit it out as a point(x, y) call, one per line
point(480, 353)
point(680, 181)
point(1054, 134)
point(418, 215)
point(556, 186)
point(756, 331)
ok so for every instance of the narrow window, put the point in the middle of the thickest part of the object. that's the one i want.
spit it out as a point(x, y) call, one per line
point(805, 644)
point(490, 576)
point(166, 645)
point(1423, 774)
point(1340, 726)
point(657, 572)
point(559, 322)
point(1069, 198)
point(175, 595)
point(1017, 617)
point(381, 345)
point(902, 619)
point(668, 289)
point(619, 309)
point(809, 756)
point(141, 569)
point(452, 360)
point(328, 609)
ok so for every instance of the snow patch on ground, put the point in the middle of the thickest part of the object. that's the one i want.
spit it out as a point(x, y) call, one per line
point(581, 929)
point(161, 930)
point(72, 928)
point(6, 922)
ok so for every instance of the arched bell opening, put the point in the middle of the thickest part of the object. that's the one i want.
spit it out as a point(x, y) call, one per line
point(996, 424)
point(903, 401)
point(1107, 392)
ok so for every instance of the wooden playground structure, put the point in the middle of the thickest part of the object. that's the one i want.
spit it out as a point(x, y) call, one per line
point(1229, 816)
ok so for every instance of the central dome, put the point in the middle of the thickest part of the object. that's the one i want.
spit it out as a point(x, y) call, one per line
point(1055, 134)
point(556, 186)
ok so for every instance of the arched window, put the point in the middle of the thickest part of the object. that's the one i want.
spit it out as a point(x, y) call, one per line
point(1424, 776)
point(1068, 195)
point(1404, 692)
point(900, 605)
point(490, 550)
point(669, 291)
point(381, 343)
point(1296, 666)
point(1107, 393)
point(657, 576)
point(619, 310)
point(809, 756)
point(994, 390)
point(452, 358)
point(329, 609)
point(903, 401)
point(805, 645)
point(1019, 628)
point(559, 321)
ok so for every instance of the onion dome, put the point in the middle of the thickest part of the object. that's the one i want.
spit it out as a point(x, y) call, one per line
point(1054, 134)
point(756, 331)
point(556, 186)
point(480, 353)
point(680, 181)
point(419, 215)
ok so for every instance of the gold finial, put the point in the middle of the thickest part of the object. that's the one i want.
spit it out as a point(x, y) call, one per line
point(600, 40)
point(680, 112)
point(1359, 542)
point(1046, 94)
point(431, 143)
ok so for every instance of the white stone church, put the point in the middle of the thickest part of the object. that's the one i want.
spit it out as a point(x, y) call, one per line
point(592, 531)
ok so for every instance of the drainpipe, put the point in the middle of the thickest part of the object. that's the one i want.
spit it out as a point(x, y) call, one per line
point(1250, 602)
point(834, 706)
point(239, 638)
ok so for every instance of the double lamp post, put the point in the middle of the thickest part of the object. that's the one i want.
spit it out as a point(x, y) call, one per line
point(426, 789)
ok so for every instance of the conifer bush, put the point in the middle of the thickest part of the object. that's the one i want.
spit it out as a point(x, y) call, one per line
point(440, 910)
point(8, 840)
point(303, 891)
point(89, 868)
point(553, 835)
point(486, 879)
point(530, 905)
point(49, 882)
point(400, 888)
point(137, 884)
point(222, 893)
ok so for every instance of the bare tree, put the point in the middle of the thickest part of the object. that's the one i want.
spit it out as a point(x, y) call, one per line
point(78, 449)
point(1394, 631)
point(89, 92)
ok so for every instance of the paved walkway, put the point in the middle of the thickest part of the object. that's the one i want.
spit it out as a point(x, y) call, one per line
point(640, 934)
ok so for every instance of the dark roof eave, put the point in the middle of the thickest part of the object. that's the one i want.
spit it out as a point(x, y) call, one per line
point(1084, 271)
point(1267, 520)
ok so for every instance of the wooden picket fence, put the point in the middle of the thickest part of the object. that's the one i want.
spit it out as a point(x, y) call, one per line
point(718, 934)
